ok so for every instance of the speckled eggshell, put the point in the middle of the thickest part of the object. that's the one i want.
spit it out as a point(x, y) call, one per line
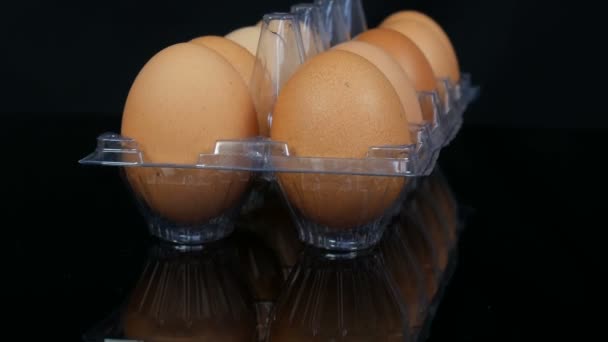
point(239, 57)
point(183, 100)
point(248, 37)
point(243, 61)
point(421, 18)
point(393, 72)
point(338, 104)
point(442, 57)
point(410, 58)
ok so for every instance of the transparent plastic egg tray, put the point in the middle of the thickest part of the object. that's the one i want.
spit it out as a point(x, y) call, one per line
point(286, 41)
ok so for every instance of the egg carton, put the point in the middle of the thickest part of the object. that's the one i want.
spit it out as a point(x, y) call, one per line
point(198, 202)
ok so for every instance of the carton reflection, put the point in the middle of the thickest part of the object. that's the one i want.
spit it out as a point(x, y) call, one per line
point(190, 294)
point(330, 297)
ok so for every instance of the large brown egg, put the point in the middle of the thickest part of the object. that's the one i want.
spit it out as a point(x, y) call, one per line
point(393, 72)
point(183, 100)
point(338, 104)
point(441, 56)
point(239, 57)
point(421, 18)
point(406, 53)
point(410, 58)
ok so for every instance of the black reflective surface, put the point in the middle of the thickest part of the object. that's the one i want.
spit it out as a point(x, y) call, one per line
point(526, 263)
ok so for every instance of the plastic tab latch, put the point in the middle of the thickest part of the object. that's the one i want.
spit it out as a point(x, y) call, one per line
point(113, 149)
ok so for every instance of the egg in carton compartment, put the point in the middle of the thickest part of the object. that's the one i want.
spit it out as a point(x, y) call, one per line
point(193, 203)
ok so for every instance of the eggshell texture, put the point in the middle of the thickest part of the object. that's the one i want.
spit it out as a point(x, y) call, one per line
point(338, 104)
point(242, 60)
point(343, 99)
point(393, 72)
point(183, 100)
point(410, 58)
point(420, 18)
point(406, 53)
point(247, 37)
point(441, 57)
point(239, 57)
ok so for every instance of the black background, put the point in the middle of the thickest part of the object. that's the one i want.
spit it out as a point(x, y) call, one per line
point(528, 159)
point(537, 61)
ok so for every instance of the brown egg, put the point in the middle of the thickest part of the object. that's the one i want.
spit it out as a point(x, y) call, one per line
point(406, 53)
point(188, 196)
point(239, 57)
point(441, 56)
point(410, 58)
point(247, 37)
point(183, 100)
point(338, 104)
point(421, 18)
point(393, 72)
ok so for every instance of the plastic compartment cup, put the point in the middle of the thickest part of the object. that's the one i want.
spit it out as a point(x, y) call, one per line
point(280, 52)
point(346, 210)
point(184, 204)
point(336, 29)
point(354, 16)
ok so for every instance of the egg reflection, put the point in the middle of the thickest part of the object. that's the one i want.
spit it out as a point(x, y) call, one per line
point(190, 294)
point(407, 272)
point(441, 191)
point(412, 234)
point(331, 297)
point(423, 210)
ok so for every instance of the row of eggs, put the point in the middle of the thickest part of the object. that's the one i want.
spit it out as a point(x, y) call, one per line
point(338, 104)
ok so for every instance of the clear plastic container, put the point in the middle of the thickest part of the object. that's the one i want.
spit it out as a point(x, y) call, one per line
point(354, 16)
point(408, 275)
point(336, 29)
point(336, 203)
